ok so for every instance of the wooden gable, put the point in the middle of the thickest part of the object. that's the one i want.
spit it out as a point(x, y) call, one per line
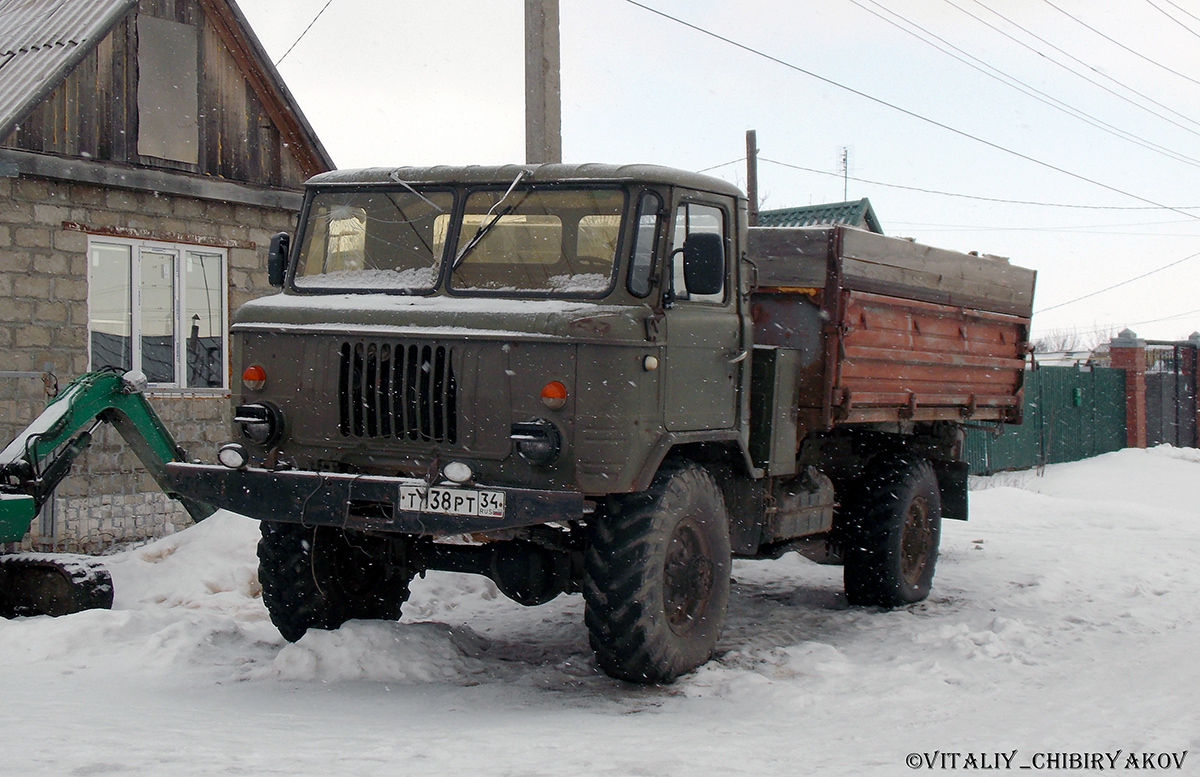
point(129, 101)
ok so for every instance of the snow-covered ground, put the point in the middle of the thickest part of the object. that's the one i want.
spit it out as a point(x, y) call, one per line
point(1065, 619)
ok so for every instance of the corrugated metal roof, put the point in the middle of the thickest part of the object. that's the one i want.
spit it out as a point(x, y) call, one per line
point(856, 213)
point(40, 41)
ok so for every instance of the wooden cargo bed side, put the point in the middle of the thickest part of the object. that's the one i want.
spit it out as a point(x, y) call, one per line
point(793, 258)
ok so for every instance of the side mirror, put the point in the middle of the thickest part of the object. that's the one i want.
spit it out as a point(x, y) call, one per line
point(277, 258)
point(704, 263)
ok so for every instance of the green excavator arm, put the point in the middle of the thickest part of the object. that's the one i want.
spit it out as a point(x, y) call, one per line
point(38, 459)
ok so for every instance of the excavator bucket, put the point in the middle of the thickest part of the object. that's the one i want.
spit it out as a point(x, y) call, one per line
point(52, 584)
point(17, 511)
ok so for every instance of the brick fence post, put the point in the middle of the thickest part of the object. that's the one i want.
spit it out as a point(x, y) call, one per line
point(1194, 351)
point(1128, 353)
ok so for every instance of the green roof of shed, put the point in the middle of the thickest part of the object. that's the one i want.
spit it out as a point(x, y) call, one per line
point(856, 213)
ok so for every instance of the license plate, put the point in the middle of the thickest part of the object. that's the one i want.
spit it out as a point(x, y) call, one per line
point(452, 501)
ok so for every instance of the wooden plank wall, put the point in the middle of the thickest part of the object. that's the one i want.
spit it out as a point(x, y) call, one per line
point(93, 112)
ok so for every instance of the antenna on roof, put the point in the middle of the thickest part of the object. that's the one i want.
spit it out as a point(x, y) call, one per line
point(845, 174)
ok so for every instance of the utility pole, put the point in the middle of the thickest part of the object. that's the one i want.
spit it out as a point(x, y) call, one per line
point(752, 176)
point(543, 89)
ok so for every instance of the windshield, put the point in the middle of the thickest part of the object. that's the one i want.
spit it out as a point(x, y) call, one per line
point(559, 241)
point(374, 240)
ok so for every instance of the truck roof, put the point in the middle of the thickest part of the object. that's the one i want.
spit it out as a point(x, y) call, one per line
point(545, 173)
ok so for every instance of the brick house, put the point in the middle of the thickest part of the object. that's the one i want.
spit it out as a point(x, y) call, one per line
point(148, 150)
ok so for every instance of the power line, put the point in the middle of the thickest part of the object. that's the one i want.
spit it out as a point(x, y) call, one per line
point(1079, 61)
point(1172, 18)
point(907, 112)
point(1121, 45)
point(306, 29)
point(1165, 318)
point(1021, 202)
point(1180, 8)
point(1012, 82)
point(723, 164)
point(1082, 229)
point(968, 196)
point(1128, 324)
point(1118, 285)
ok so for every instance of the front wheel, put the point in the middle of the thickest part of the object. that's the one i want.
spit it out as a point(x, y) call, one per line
point(657, 577)
point(893, 535)
point(320, 577)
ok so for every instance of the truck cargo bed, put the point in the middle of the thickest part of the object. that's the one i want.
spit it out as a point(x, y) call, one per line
point(890, 330)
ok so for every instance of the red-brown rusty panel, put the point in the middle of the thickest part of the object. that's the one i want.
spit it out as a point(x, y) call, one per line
point(916, 379)
point(892, 340)
point(905, 353)
point(953, 328)
point(904, 400)
point(962, 336)
point(925, 390)
point(910, 376)
point(876, 376)
point(929, 357)
point(863, 415)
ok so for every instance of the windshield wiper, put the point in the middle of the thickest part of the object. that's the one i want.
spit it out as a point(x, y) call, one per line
point(487, 223)
point(419, 196)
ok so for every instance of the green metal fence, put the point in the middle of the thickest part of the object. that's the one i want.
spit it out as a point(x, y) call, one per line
point(1071, 413)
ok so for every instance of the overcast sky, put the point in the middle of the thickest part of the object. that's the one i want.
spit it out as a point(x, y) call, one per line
point(391, 82)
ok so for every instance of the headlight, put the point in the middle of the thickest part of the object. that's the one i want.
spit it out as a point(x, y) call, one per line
point(260, 423)
point(458, 472)
point(233, 455)
point(538, 442)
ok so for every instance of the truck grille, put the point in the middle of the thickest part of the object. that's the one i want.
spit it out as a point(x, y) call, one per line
point(405, 392)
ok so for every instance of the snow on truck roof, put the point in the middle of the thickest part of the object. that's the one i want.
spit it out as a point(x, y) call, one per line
point(544, 173)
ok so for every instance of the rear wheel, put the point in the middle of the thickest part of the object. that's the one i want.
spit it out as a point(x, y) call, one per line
point(657, 578)
point(321, 577)
point(893, 534)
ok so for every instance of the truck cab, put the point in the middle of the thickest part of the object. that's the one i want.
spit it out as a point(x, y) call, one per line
point(556, 327)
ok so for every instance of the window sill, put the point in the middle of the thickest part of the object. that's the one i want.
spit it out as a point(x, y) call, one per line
point(171, 392)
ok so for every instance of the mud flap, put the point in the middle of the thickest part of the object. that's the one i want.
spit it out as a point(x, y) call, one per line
point(952, 487)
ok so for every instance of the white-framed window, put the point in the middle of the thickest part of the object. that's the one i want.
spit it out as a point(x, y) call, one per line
point(159, 308)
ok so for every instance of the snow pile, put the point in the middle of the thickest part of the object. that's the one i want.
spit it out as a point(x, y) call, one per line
point(1065, 617)
point(211, 566)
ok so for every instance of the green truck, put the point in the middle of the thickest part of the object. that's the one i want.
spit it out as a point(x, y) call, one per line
point(600, 379)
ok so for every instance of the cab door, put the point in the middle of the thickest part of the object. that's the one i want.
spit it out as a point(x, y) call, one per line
point(704, 355)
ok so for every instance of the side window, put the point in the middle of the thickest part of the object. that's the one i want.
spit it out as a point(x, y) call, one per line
point(645, 240)
point(691, 218)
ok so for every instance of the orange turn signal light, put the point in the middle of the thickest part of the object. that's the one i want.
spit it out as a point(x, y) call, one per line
point(254, 377)
point(554, 395)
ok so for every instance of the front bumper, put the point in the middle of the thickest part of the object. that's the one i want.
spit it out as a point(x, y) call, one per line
point(364, 502)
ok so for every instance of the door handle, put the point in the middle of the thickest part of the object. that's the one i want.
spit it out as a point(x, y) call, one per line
point(740, 357)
